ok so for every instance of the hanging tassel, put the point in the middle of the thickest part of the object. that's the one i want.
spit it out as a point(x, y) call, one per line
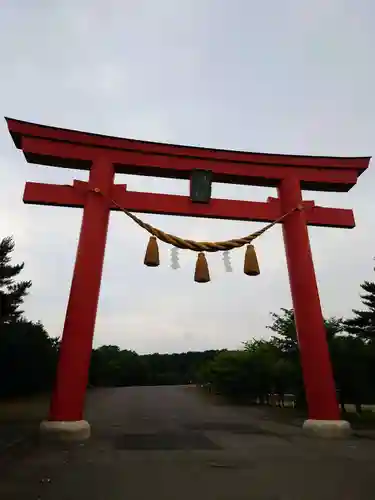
point(202, 274)
point(251, 266)
point(152, 253)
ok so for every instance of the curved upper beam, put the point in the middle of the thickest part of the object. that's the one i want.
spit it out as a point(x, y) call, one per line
point(315, 172)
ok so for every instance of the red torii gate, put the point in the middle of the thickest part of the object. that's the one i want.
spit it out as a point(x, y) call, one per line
point(104, 156)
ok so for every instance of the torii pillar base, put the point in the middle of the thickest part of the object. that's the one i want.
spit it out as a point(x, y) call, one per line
point(328, 429)
point(79, 430)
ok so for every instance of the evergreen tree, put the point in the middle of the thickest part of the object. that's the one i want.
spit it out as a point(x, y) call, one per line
point(362, 325)
point(12, 293)
point(28, 358)
point(284, 327)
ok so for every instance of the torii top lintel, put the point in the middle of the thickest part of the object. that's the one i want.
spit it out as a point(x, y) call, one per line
point(73, 149)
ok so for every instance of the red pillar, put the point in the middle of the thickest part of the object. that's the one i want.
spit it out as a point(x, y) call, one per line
point(315, 360)
point(76, 344)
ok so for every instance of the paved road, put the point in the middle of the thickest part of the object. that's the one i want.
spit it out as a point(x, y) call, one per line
point(173, 443)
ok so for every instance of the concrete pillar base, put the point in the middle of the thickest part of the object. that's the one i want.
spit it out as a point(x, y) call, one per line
point(329, 429)
point(65, 431)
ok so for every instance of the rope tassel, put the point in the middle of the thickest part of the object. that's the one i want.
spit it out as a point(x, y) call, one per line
point(152, 253)
point(202, 274)
point(251, 266)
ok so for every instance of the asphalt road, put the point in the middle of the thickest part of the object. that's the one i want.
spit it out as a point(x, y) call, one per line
point(174, 443)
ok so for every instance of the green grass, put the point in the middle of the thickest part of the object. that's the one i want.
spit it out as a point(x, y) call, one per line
point(294, 416)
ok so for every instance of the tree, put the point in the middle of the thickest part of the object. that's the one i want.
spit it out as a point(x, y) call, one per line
point(113, 367)
point(231, 374)
point(284, 327)
point(362, 325)
point(352, 366)
point(262, 357)
point(12, 293)
point(28, 358)
point(358, 374)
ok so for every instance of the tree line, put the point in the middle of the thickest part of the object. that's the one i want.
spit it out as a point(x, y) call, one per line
point(28, 355)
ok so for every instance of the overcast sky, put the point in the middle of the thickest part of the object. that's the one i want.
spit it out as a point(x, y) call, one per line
point(296, 76)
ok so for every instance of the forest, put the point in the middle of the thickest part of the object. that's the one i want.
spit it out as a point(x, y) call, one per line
point(28, 355)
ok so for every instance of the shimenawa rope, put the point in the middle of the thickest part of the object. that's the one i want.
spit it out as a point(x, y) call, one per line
point(198, 246)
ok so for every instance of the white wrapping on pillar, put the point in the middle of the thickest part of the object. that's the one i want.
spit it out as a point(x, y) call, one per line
point(175, 264)
point(227, 262)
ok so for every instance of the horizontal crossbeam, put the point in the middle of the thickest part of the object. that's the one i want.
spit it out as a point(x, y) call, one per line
point(168, 204)
point(61, 154)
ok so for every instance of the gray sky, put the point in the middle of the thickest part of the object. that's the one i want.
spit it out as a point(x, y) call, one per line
point(295, 76)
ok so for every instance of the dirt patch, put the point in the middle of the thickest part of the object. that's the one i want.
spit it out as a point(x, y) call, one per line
point(24, 409)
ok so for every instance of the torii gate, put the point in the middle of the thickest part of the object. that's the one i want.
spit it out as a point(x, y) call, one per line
point(104, 156)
